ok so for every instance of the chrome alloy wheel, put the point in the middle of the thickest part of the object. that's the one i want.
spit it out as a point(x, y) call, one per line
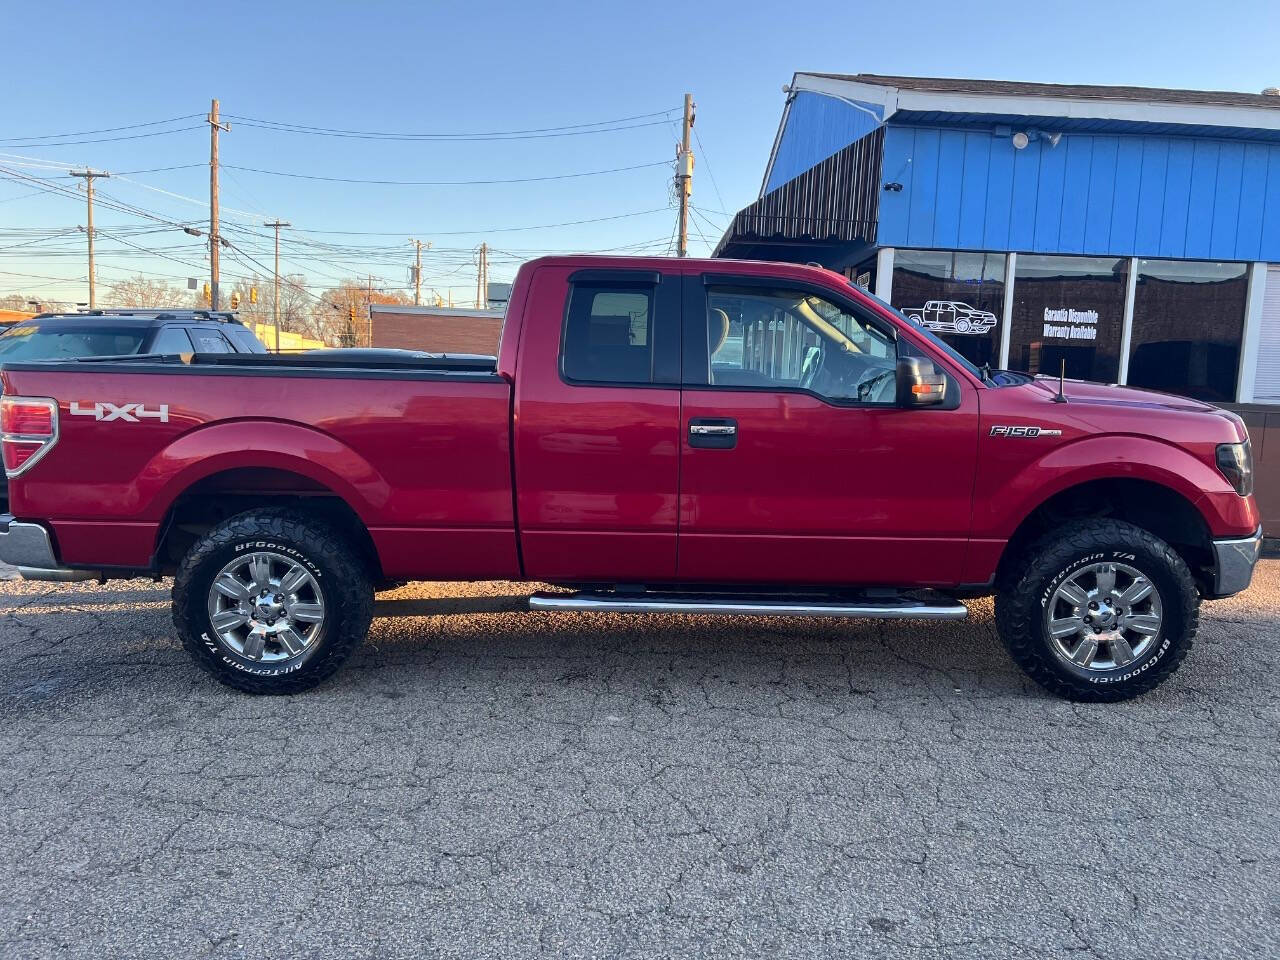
point(1104, 616)
point(265, 607)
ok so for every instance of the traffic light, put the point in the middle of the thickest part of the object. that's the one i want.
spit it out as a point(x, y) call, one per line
point(235, 300)
point(351, 314)
point(253, 294)
point(208, 294)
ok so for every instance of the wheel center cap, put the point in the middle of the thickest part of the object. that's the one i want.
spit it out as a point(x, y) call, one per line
point(1103, 616)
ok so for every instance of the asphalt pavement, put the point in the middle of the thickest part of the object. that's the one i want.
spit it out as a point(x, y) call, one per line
point(481, 781)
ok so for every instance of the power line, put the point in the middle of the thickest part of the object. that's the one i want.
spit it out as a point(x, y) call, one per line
point(49, 186)
point(574, 129)
point(707, 163)
point(698, 213)
point(446, 183)
point(74, 143)
point(88, 133)
point(180, 166)
point(459, 233)
point(22, 196)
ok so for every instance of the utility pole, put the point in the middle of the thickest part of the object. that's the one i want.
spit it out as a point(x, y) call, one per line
point(215, 126)
point(368, 312)
point(277, 223)
point(88, 176)
point(684, 177)
point(417, 271)
point(482, 278)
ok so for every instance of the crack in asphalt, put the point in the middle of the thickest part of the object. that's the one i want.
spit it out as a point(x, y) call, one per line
point(484, 781)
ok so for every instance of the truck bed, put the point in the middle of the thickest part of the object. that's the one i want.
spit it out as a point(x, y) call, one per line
point(418, 446)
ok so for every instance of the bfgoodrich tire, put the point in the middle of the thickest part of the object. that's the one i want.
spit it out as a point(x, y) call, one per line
point(272, 601)
point(1101, 610)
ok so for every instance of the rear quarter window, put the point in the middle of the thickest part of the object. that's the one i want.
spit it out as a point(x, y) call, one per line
point(244, 341)
point(210, 341)
point(607, 335)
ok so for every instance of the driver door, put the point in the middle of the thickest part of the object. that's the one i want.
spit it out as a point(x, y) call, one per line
point(796, 465)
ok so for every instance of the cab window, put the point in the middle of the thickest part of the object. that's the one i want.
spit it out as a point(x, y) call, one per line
point(781, 339)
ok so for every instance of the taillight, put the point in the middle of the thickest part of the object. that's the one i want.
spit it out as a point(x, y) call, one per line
point(28, 429)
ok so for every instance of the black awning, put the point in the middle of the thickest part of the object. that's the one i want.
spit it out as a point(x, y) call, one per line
point(838, 201)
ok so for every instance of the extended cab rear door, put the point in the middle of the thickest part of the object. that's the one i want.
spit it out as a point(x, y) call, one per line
point(797, 465)
point(597, 425)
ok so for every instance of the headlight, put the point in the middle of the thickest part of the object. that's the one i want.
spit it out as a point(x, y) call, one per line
point(1235, 461)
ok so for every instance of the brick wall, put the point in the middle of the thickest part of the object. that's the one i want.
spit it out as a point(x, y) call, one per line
point(442, 330)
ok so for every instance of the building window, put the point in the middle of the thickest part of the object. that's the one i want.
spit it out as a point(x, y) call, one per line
point(959, 296)
point(1068, 309)
point(1188, 324)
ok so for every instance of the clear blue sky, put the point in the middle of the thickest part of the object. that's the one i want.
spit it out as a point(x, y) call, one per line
point(467, 67)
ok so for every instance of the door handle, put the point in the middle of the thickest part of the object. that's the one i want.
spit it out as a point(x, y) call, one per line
point(713, 433)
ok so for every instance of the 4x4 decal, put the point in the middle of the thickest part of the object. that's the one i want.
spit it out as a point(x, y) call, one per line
point(130, 412)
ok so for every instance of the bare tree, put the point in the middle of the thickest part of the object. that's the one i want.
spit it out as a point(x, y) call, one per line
point(147, 294)
point(33, 304)
point(334, 310)
point(295, 303)
point(14, 301)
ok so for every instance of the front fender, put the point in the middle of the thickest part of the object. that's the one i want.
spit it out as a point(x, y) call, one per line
point(1003, 502)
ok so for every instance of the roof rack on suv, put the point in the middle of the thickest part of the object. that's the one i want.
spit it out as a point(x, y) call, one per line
point(163, 313)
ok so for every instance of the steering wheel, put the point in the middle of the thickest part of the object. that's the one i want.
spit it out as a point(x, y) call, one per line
point(879, 388)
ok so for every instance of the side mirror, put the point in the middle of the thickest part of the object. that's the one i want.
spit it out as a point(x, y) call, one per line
point(919, 383)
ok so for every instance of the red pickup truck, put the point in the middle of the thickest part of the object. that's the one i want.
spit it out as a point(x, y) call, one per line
point(655, 435)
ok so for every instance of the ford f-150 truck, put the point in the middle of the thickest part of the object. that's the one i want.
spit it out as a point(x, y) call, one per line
point(653, 435)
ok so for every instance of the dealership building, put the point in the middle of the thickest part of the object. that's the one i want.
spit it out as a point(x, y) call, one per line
point(1130, 233)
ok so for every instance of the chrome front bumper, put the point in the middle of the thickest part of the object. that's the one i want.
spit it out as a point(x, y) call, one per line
point(1233, 562)
point(27, 546)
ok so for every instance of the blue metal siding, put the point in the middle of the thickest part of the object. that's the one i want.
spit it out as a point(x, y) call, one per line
point(1177, 199)
point(817, 127)
point(973, 203)
point(1271, 210)
point(1101, 198)
point(1126, 194)
point(1094, 193)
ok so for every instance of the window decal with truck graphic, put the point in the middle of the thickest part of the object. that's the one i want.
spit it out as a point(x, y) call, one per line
point(952, 316)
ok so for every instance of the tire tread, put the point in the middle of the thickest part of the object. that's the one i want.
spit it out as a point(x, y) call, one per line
point(350, 593)
point(1017, 611)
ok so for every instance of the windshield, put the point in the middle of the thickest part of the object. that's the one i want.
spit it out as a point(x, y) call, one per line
point(30, 341)
point(932, 338)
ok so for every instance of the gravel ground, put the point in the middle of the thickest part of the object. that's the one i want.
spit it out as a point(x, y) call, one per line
point(483, 781)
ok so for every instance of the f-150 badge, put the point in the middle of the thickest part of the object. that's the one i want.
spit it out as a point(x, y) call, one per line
point(129, 412)
point(1005, 430)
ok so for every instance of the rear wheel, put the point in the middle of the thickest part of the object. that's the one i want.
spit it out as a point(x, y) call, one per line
point(272, 601)
point(1103, 611)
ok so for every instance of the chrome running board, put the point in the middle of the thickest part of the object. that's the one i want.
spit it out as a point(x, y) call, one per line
point(891, 607)
point(60, 574)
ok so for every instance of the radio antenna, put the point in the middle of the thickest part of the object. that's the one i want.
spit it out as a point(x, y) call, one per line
point(1062, 376)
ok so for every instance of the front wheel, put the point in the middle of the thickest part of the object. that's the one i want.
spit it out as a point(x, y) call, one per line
point(1103, 611)
point(272, 601)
